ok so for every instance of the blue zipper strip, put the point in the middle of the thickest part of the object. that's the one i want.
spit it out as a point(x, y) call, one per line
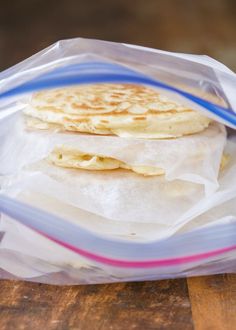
point(201, 240)
point(104, 72)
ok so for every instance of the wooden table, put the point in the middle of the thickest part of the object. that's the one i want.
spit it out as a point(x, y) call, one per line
point(199, 303)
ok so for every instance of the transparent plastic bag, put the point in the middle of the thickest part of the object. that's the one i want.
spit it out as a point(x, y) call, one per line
point(63, 229)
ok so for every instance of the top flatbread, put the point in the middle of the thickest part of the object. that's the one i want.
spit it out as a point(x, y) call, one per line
point(125, 110)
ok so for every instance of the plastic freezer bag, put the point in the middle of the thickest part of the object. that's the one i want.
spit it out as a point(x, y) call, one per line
point(102, 229)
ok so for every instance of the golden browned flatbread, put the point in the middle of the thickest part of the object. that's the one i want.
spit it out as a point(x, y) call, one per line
point(125, 110)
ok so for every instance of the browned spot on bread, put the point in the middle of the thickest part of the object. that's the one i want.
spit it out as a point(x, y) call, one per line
point(140, 118)
point(86, 107)
point(75, 106)
point(104, 121)
point(80, 120)
point(87, 157)
point(119, 93)
point(59, 95)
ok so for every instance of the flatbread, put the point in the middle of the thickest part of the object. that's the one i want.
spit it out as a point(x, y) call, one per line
point(67, 157)
point(125, 110)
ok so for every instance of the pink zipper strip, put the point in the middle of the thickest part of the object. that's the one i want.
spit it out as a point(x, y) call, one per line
point(141, 264)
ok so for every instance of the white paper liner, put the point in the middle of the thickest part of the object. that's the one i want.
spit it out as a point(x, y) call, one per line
point(123, 196)
point(195, 158)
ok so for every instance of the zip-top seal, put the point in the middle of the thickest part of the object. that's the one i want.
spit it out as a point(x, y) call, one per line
point(105, 72)
point(120, 252)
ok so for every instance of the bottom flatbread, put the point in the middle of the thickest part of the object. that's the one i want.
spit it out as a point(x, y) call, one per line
point(67, 157)
point(73, 158)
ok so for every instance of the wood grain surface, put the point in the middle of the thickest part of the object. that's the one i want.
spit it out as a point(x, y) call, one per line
point(198, 303)
point(213, 301)
point(147, 305)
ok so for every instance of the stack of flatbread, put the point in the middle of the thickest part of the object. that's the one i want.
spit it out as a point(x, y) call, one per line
point(123, 110)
